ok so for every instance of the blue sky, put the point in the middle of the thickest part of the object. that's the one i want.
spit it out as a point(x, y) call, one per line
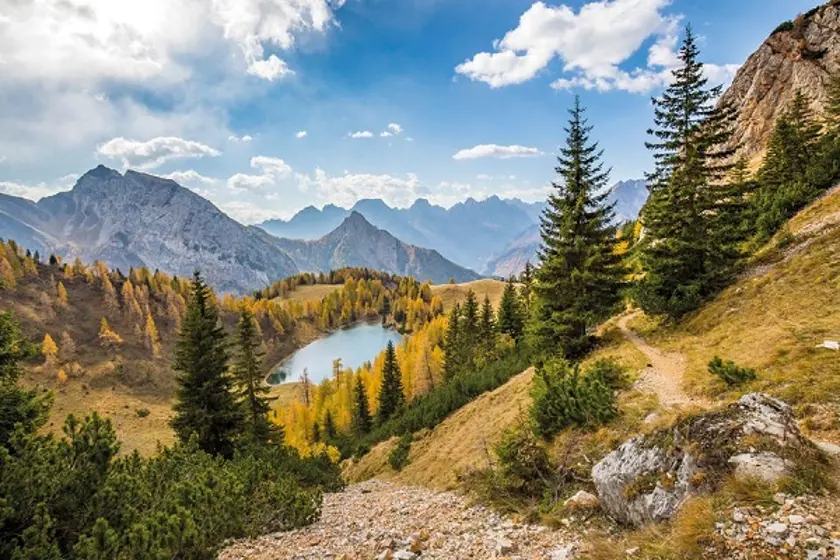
point(459, 97)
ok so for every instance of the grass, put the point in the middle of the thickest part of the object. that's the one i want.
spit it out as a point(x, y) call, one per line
point(772, 320)
point(452, 293)
point(460, 442)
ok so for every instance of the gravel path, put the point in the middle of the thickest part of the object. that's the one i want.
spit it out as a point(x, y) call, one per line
point(664, 373)
point(378, 520)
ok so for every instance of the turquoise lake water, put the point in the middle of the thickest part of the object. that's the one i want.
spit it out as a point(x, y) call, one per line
point(355, 345)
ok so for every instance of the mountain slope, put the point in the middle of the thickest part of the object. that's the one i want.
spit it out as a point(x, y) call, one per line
point(801, 55)
point(468, 233)
point(357, 243)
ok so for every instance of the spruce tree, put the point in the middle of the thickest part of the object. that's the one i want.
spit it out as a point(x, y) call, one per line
point(19, 408)
point(579, 282)
point(205, 404)
point(487, 322)
point(248, 377)
point(785, 176)
point(391, 396)
point(683, 259)
point(361, 409)
point(452, 344)
point(510, 319)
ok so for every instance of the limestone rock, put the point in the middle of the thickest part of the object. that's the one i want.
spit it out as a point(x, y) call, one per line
point(583, 500)
point(802, 58)
point(768, 467)
point(649, 477)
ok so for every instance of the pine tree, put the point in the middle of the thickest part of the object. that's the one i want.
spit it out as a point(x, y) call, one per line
point(487, 326)
point(330, 431)
point(247, 374)
point(452, 344)
point(510, 318)
point(361, 410)
point(205, 405)
point(19, 408)
point(786, 174)
point(684, 261)
point(579, 282)
point(391, 396)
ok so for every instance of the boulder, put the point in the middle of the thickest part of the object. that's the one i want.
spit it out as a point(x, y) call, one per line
point(583, 500)
point(649, 477)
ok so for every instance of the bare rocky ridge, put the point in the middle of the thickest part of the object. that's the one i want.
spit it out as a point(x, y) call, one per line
point(802, 58)
point(383, 521)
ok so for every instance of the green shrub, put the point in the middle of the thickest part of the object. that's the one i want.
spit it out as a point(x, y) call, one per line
point(399, 455)
point(730, 373)
point(613, 374)
point(523, 460)
point(784, 26)
point(563, 397)
point(143, 412)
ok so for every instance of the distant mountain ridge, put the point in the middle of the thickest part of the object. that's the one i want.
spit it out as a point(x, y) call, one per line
point(357, 243)
point(133, 219)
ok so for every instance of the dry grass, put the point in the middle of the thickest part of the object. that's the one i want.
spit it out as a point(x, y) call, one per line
point(772, 320)
point(460, 442)
point(452, 293)
point(315, 292)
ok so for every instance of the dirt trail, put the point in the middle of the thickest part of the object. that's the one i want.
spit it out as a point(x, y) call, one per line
point(664, 374)
point(380, 520)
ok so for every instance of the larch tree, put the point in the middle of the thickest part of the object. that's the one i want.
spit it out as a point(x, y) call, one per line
point(247, 371)
point(205, 404)
point(49, 349)
point(391, 397)
point(683, 258)
point(579, 281)
point(61, 293)
point(107, 337)
point(151, 336)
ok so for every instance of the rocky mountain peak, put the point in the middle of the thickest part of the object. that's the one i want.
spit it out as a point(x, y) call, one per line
point(800, 55)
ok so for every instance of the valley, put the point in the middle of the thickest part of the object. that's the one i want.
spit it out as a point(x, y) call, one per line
point(457, 349)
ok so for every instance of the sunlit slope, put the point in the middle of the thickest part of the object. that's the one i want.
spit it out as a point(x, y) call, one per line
point(452, 293)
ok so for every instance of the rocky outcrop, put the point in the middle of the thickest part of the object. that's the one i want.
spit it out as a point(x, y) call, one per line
point(648, 478)
point(799, 56)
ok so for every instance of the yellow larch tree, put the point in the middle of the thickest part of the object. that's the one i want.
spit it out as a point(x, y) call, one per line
point(49, 349)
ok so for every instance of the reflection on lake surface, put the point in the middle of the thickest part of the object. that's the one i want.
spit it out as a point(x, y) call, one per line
point(355, 346)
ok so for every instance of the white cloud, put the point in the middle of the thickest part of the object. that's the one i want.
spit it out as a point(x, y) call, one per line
point(301, 134)
point(248, 212)
point(40, 190)
point(272, 171)
point(361, 134)
point(395, 128)
point(345, 190)
point(190, 176)
point(592, 44)
point(483, 177)
point(271, 69)
point(385, 134)
point(155, 152)
point(234, 138)
point(496, 151)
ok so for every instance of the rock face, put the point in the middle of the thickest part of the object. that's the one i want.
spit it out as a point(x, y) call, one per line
point(136, 219)
point(797, 57)
point(357, 243)
point(648, 478)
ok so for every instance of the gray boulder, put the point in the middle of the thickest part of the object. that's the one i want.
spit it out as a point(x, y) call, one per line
point(649, 477)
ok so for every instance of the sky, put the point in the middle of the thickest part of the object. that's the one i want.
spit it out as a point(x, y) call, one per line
point(267, 106)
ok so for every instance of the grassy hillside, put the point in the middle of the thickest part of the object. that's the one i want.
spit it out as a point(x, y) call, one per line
point(773, 319)
point(451, 293)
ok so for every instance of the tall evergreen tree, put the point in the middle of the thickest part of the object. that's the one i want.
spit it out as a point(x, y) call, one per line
point(786, 177)
point(361, 409)
point(205, 404)
point(247, 374)
point(683, 258)
point(452, 344)
point(487, 323)
point(19, 407)
point(510, 319)
point(391, 396)
point(579, 282)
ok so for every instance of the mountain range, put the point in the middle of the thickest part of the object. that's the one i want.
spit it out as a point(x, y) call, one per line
point(134, 219)
point(494, 236)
